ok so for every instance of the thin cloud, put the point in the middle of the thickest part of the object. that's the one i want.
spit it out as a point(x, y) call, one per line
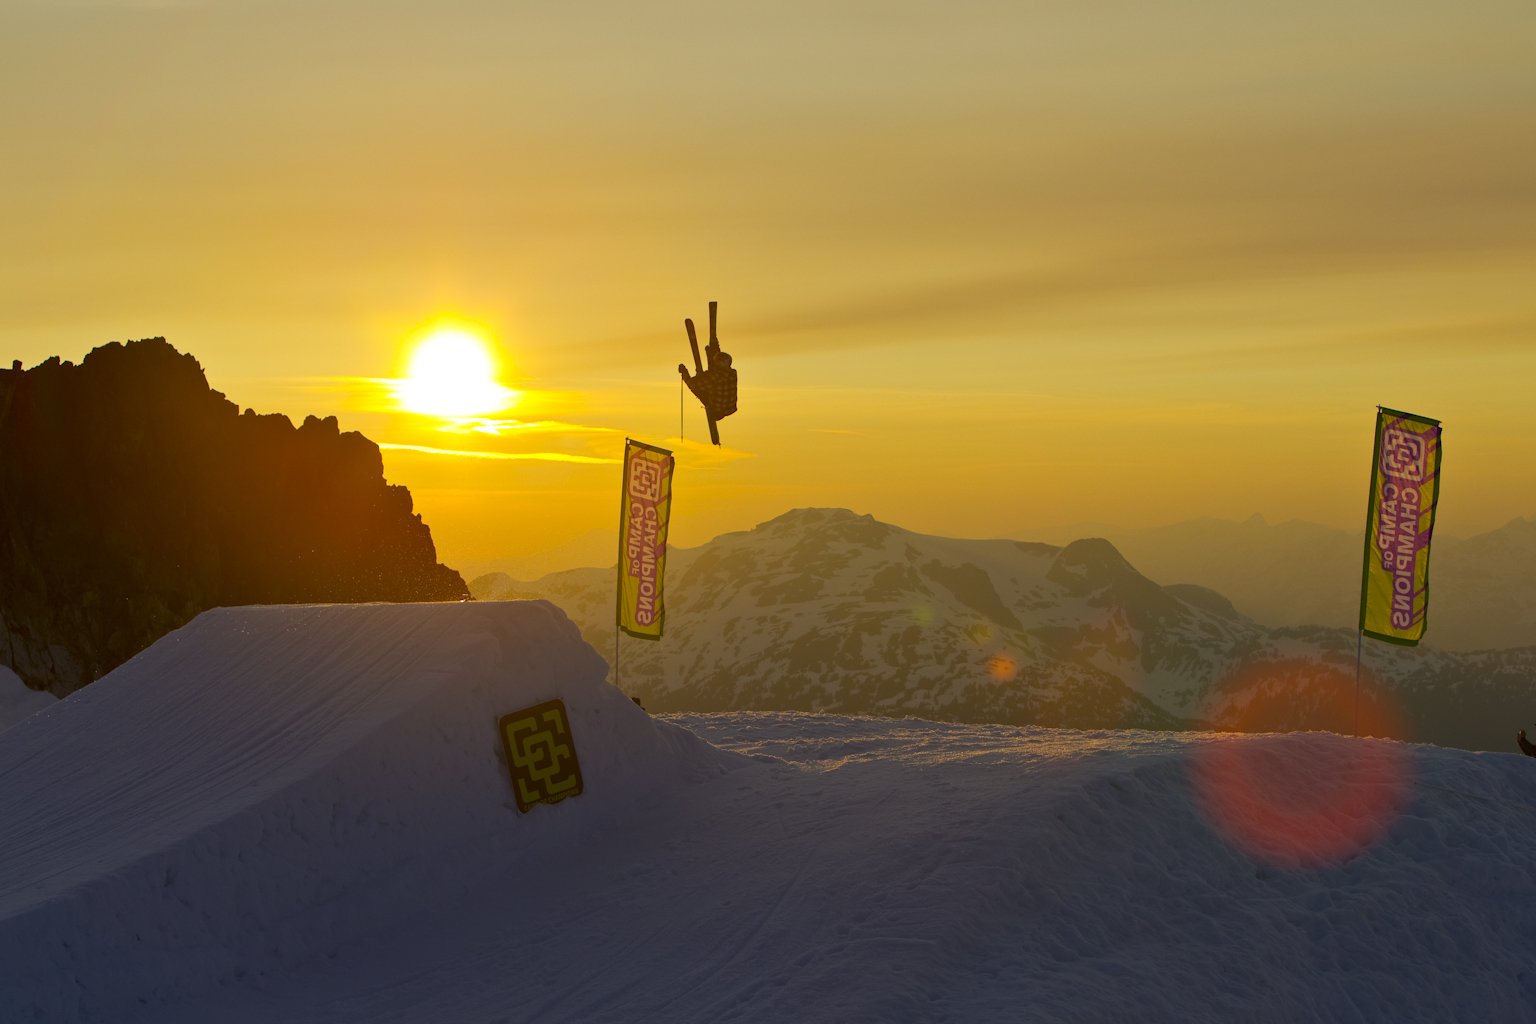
point(1071, 292)
point(697, 453)
point(497, 427)
point(379, 394)
point(126, 5)
point(502, 456)
point(1450, 340)
point(1089, 290)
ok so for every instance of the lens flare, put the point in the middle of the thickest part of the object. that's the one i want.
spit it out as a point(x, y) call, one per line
point(1002, 667)
point(1303, 800)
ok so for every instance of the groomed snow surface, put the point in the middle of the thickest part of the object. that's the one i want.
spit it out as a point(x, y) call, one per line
point(302, 815)
point(17, 700)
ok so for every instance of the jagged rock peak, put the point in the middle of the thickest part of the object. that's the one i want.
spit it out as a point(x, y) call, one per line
point(148, 351)
point(147, 361)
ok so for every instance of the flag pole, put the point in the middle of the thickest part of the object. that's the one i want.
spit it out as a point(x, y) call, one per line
point(618, 567)
point(1359, 644)
point(1365, 568)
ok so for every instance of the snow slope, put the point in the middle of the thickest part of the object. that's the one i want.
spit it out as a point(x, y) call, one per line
point(298, 815)
point(17, 700)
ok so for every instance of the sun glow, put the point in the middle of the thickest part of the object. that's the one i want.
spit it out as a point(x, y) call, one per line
point(452, 374)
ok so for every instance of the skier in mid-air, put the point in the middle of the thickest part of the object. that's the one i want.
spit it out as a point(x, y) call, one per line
point(714, 386)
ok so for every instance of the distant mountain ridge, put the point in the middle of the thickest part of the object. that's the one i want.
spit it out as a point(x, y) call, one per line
point(133, 496)
point(825, 610)
point(1295, 573)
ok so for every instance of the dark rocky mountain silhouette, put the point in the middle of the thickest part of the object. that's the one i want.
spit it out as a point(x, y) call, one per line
point(825, 610)
point(133, 497)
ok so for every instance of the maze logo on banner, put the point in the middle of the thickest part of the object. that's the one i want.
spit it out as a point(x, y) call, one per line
point(1403, 455)
point(540, 754)
point(645, 478)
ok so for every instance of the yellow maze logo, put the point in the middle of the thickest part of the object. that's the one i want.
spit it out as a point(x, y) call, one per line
point(540, 754)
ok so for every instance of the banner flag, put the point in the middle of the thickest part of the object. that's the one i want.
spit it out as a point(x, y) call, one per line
point(647, 505)
point(1405, 487)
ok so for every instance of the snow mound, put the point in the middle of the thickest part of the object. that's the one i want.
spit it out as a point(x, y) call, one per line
point(268, 782)
point(299, 815)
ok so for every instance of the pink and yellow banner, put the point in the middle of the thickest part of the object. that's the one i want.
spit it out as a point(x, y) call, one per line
point(1405, 487)
point(643, 538)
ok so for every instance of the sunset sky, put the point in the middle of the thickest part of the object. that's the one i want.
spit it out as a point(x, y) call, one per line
point(984, 267)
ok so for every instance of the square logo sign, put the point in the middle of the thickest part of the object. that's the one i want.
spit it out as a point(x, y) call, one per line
point(540, 754)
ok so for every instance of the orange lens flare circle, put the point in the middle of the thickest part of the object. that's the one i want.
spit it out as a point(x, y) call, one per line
point(1002, 668)
point(1303, 800)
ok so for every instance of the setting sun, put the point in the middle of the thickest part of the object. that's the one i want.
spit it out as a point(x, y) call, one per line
point(452, 374)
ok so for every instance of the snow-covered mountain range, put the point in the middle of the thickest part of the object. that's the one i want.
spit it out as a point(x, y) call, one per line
point(825, 610)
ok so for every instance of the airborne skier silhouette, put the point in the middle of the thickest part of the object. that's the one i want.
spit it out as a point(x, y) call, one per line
point(714, 386)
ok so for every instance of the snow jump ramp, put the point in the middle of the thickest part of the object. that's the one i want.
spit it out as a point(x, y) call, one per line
point(269, 781)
